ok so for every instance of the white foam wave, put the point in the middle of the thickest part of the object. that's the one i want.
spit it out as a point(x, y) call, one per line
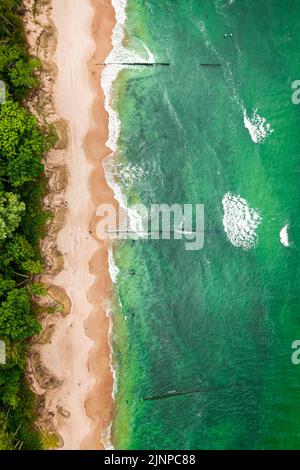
point(108, 76)
point(109, 313)
point(257, 126)
point(222, 4)
point(118, 56)
point(113, 268)
point(240, 221)
point(129, 173)
point(106, 435)
point(284, 236)
point(106, 438)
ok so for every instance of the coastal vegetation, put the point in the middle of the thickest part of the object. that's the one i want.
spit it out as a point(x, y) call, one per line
point(22, 219)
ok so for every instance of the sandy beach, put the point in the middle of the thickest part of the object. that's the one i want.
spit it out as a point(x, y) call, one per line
point(79, 406)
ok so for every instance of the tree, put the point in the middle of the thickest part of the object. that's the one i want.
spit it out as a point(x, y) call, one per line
point(10, 386)
point(22, 74)
point(11, 209)
point(38, 289)
point(22, 145)
point(16, 66)
point(5, 442)
point(16, 321)
point(17, 254)
point(18, 250)
point(33, 267)
point(5, 286)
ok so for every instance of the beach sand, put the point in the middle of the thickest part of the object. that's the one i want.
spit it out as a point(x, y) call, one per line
point(78, 354)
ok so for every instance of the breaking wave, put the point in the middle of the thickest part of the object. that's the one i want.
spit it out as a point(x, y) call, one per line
point(240, 221)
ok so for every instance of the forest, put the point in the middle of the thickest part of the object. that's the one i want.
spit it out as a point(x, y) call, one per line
point(22, 223)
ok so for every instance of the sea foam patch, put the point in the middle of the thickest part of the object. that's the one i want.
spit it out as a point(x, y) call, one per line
point(284, 236)
point(115, 61)
point(240, 221)
point(257, 126)
point(113, 268)
point(129, 173)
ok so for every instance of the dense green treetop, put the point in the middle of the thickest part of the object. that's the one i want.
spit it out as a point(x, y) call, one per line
point(21, 145)
point(16, 66)
point(16, 320)
point(22, 186)
point(11, 209)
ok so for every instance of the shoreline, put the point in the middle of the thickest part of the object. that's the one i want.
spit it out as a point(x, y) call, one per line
point(74, 359)
point(98, 327)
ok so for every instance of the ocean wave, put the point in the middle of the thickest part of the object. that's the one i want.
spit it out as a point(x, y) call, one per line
point(284, 236)
point(113, 268)
point(240, 221)
point(106, 436)
point(114, 64)
point(114, 61)
point(257, 126)
point(222, 4)
point(129, 173)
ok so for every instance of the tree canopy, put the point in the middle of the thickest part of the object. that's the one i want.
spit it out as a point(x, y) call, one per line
point(21, 145)
point(16, 320)
point(22, 186)
point(11, 209)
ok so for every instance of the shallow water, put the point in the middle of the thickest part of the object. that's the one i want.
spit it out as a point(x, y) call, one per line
point(219, 321)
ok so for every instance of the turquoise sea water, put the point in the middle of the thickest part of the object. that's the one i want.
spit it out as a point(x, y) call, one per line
point(220, 320)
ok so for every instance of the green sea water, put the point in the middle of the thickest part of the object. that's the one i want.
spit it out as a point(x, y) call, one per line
point(220, 320)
